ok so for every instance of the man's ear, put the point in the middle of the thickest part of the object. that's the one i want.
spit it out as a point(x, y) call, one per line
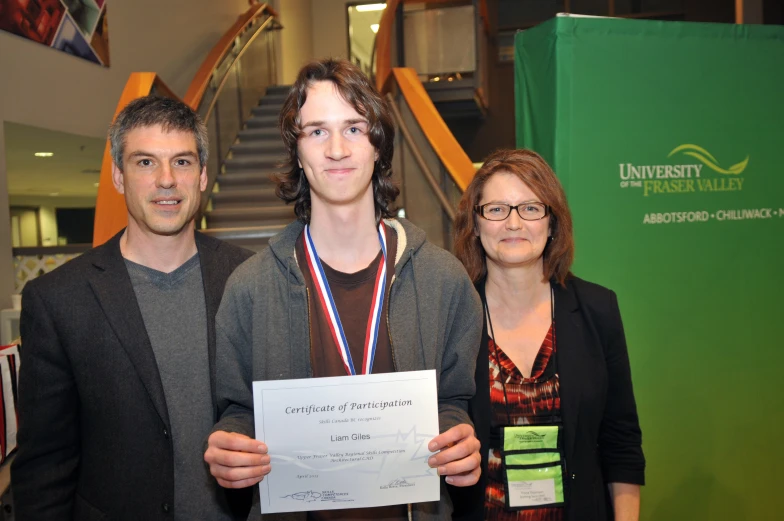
point(203, 179)
point(117, 178)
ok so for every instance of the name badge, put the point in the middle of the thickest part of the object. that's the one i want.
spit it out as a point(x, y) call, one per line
point(533, 466)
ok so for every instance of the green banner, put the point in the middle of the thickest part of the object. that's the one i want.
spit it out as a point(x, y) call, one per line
point(668, 137)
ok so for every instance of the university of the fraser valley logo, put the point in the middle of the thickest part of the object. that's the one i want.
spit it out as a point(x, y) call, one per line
point(679, 177)
point(529, 437)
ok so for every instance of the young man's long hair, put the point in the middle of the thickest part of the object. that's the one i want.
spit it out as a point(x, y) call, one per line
point(355, 88)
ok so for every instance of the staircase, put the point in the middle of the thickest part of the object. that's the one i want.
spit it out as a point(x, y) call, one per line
point(245, 210)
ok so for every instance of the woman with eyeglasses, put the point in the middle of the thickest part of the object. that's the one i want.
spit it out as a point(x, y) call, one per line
point(554, 408)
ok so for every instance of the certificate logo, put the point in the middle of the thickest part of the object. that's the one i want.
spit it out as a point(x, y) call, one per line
point(325, 496)
point(396, 483)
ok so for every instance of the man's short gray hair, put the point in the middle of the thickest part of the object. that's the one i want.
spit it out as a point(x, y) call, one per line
point(152, 110)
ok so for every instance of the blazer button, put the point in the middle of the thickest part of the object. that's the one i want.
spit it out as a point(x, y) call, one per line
point(166, 435)
point(166, 507)
point(574, 476)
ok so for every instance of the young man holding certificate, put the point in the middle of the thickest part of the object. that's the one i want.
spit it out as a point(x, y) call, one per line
point(346, 289)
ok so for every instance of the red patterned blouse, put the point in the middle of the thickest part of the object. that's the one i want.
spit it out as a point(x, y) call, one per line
point(532, 401)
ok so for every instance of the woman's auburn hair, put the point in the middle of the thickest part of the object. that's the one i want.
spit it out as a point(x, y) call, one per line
point(534, 171)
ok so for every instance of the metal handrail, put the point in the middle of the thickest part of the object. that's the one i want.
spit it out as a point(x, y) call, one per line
point(225, 78)
point(269, 23)
point(429, 177)
point(111, 215)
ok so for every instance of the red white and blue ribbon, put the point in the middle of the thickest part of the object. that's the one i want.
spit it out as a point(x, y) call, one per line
point(331, 310)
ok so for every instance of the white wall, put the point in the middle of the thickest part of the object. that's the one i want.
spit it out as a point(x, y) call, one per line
point(330, 29)
point(294, 46)
point(50, 89)
point(28, 228)
point(48, 221)
point(46, 88)
point(312, 29)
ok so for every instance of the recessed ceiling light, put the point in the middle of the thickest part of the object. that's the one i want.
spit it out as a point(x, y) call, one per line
point(54, 194)
point(95, 185)
point(374, 28)
point(370, 7)
point(44, 154)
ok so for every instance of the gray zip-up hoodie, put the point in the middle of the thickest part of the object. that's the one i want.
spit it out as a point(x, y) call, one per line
point(263, 332)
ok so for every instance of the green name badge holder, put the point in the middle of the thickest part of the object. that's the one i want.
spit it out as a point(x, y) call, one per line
point(533, 466)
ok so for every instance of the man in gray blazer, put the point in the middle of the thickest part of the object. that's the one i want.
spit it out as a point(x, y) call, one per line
point(116, 390)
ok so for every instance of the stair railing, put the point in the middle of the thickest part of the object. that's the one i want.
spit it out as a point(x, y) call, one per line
point(430, 166)
point(229, 83)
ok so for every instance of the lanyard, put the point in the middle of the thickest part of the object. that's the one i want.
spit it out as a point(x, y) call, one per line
point(498, 361)
point(331, 310)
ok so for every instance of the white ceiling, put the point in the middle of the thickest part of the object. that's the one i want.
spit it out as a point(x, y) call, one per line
point(72, 171)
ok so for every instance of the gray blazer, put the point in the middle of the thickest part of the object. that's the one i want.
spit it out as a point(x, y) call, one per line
point(94, 437)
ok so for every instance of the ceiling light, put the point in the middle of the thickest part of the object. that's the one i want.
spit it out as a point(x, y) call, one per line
point(370, 7)
point(44, 154)
point(54, 194)
point(95, 185)
point(374, 28)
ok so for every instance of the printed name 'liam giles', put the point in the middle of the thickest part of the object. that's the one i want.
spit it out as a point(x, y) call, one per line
point(353, 437)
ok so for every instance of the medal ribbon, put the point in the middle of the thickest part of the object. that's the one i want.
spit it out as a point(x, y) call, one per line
point(331, 310)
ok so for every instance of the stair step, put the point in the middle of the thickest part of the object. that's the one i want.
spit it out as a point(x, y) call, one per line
point(262, 122)
point(246, 180)
point(252, 134)
point(252, 237)
point(255, 162)
point(278, 90)
point(270, 146)
point(266, 110)
point(243, 197)
point(275, 100)
point(250, 216)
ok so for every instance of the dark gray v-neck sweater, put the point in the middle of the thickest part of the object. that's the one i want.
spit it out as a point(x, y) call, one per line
point(175, 315)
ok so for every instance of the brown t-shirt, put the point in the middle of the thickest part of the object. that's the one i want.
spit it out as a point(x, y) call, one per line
point(353, 295)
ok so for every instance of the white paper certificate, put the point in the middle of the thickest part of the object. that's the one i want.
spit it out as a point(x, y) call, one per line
point(347, 441)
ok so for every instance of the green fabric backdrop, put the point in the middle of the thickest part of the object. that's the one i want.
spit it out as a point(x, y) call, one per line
point(669, 140)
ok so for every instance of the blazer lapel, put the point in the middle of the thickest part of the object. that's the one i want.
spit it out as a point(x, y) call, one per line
point(568, 335)
point(213, 292)
point(112, 287)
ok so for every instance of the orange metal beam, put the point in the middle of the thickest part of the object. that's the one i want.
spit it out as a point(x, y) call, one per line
point(384, 44)
point(202, 78)
point(449, 151)
point(111, 215)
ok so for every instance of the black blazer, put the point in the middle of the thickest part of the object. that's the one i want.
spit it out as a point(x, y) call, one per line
point(602, 433)
point(94, 428)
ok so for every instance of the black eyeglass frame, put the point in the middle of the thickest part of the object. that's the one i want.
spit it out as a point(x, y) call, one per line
point(479, 209)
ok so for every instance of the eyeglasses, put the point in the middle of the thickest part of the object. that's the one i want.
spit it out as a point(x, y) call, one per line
point(531, 211)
